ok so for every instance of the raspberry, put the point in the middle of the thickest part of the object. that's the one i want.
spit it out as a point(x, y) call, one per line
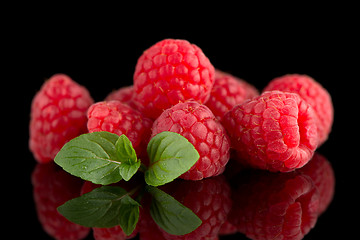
point(119, 118)
point(209, 199)
point(275, 131)
point(52, 187)
point(227, 92)
point(169, 72)
point(199, 126)
point(58, 114)
point(314, 94)
point(124, 95)
point(274, 206)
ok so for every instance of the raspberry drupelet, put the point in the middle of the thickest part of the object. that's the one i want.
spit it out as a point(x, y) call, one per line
point(58, 114)
point(169, 72)
point(275, 131)
point(200, 127)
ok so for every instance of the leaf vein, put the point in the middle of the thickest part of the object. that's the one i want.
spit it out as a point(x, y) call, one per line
point(102, 148)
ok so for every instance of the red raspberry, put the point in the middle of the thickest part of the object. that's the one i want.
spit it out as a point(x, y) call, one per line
point(169, 72)
point(124, 95)
point(209, 199)
point(119, 118)
point(58, 114)
point(314, 94)
point(197, 124)
point(227, 92)
point(270, 206)
point(275, 131)
point(52, 187)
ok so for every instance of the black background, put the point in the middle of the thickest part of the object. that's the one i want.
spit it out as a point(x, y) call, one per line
point(100, 52)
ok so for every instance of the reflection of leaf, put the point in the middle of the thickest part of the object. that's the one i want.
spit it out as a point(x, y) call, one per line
point(103, 207)
point(170, 156)
point(129, 215)
point(171, 215)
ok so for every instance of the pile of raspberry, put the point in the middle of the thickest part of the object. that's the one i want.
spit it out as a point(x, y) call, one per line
point(176, 88)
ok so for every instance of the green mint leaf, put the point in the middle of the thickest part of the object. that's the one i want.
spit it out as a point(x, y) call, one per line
point(127, 155)
point(103, 207)
point(170, 215)
point(170, 156)
point(92, 157)
point(128, 170)
point(125, 150)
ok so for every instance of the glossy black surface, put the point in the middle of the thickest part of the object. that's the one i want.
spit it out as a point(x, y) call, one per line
point(249, 202)
point(103, 56)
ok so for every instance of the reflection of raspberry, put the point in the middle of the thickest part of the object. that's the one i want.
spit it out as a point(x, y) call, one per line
point(227, 92)
point(314, 94)
point(270, 206)
point(227, 229)
point(321, 172)
point(209, 199)
point(52, 187)
point(148, 229)
point(169, 72)
point(113, 233)
point(119, 118)
point(275, 131)
point(58, 114)
point(197, 124)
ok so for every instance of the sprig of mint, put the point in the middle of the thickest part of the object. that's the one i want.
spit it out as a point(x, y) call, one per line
point(105, 158)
